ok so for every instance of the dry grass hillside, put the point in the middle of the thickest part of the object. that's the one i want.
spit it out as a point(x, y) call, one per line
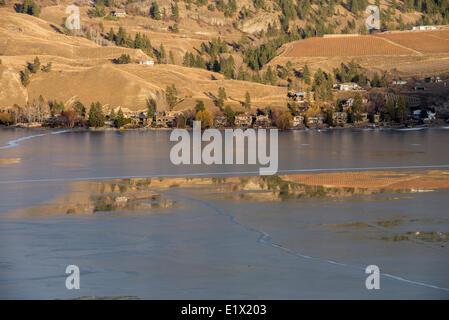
point(83, 70)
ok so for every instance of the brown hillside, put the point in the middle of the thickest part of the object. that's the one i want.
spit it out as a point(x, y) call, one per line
point(83, 70)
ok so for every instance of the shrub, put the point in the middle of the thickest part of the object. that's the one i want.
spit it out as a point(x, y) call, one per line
point(47, 67)
point(205, 116)
point(123, 59)
point(284, 121)
point(28, 7)
point(6, 118)
point(25, 77)
point(68, 118)
point(35, 66)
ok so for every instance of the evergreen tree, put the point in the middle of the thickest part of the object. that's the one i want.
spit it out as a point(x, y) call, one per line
point(96, 116)
point(161, 55)
point(112, 115)
point(35, 66)
point(199, 106)
point(120, 119)
point(79, 109)
point(400, 112)
point(306, 74)
point(111, 35)
point(171, 95)
point(357, 105)
point(390, 108)
point(25, 77)
point(155, 12)
point(29, 7)
point(124, 59)
point(247, 100)
point(230, 115)
point(329, 119)
point(175, 11)
point(151, 107)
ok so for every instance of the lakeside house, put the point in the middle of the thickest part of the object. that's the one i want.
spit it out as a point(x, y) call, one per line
point(298, 120)
point(425, 115)
point(220, 121)
point(141, 119)
point(347, 104)
point(315, 120)
point(262, 121)
point(243, 120)
point(165, 121)
point(361, 118)
point(173, 113)
point(340, 118)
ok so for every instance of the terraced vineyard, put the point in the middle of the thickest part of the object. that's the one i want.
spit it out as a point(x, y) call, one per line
point(424, 42)
point(347, 46)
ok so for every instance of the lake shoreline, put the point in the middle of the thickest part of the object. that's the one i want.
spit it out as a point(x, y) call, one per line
point(317, 128)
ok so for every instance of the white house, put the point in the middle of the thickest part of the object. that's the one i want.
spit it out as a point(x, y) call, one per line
point(347, 86)
point(147, 62)
point(400, 82)
point(119, 13)
point(422, 28)
point(417, 114)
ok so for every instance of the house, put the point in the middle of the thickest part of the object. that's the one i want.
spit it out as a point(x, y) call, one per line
point(299, 96)
point(315, 120)
point(165, 121)
point(262, 121)
point(426, 115)
point(147, 62)
point(243, 120)
point(347, 86)
point(298, 120)
point(349, 103)
point(119, 13)
point(220, 121)
point(362, 118)
point(109, 123)
point(419, 88)
point(376, 118)
point(417, 114)
point(174, 113)
point(141, 119)
point(423, 28)
point(340, 118)
point(399, 82)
